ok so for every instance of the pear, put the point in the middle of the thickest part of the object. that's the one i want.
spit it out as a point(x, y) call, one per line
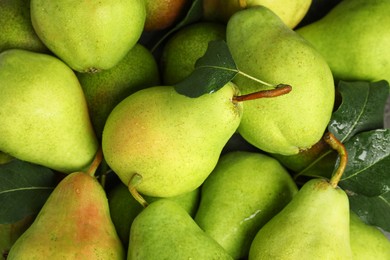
point(74, 223)
point(105, 89)
point(164, 230)
point(43, 112)
point(89, 35)
point(266, 49)
point(354, 50)
point(124, 208)
point(185, 47)
point(164, 144)
point(244, 191)
point(367, 242)
point(314, 225)
point(291, 12)
point(16, 28)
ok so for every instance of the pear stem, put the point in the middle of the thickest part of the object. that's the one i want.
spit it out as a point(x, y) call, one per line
point(96, 162)
point(133, 183)
point(280, 90)
point(335, 144)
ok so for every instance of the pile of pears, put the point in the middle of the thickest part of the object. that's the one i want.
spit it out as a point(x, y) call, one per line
point(146, 172)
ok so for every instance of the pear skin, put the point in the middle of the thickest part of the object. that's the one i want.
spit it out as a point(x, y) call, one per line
point(265, 48)
point(314, 225)
point(244, 191)
point(171, 141)
point(74, 223)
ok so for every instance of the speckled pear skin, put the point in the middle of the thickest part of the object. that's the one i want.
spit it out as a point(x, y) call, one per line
point(265, 48)
point(245, 190)
point(171, 140)
point(314, 225)
point(74, 223)
point(164, 230)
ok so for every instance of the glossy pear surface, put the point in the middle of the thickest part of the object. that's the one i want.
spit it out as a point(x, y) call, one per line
point(43, 112)
point(314, 225)
point(89, 35)
point(171, 140)
point(265, 48)
point(164, 230)
point(354, 38)
point(244, 191)
point(74, 223)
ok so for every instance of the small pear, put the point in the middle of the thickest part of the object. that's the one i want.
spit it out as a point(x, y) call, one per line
point(314, 225)
point(43, 112)
point(266, 49)
point(354, 50)
point(244, 191)
point(164, 230)
point(89, 35)
point(74, 223)
point(165, 144)
point(367, 242)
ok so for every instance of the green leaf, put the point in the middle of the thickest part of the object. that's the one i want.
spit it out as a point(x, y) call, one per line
point(212, 71)
point(24, 188)
point(362, 108)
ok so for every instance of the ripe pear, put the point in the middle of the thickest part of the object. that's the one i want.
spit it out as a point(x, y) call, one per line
point(124, 208)
point(105, 89)
point(354, 50)
point(367, 242)
point(291, 12)
point(43, 112)
point(16, 28)
point(89, 35)
point(244, 191)
point(185, 47)
point(170, 141)
point(164, 230)
point(74, 223)
point(314, 225)
point(266, 49)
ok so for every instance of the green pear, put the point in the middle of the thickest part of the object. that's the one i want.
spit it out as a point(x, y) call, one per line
point(43, 112)
point(74, 223)
point(265, 48)
point(367, 242)
point(16, 28)
point(105, 89)
point(4, 158)
point(354, 39)
point(89, 35)
point(314, 225)
point(244, 191)
point(124, 208)
point(185, 47)
point(291, 12)
point(166, 142)
point(164, 230)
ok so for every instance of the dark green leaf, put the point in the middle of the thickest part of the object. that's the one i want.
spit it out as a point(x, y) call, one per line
point(24, 188)
point(212, 71)
point(362, 108)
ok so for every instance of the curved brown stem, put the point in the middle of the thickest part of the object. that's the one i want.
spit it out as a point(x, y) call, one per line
point(335, 144)
point(96, 162)
point(133, 183)
point(280, 90)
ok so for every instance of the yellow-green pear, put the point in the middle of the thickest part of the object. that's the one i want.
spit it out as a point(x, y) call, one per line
point(314, 225)
point(43, 112)
point(290, 11)
point(367, 242)
point(166, 142)
point(74, 223)
point(245, 190)
point(89, 35)
point(263, 47)
point(354, 39)
point(164, 230)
